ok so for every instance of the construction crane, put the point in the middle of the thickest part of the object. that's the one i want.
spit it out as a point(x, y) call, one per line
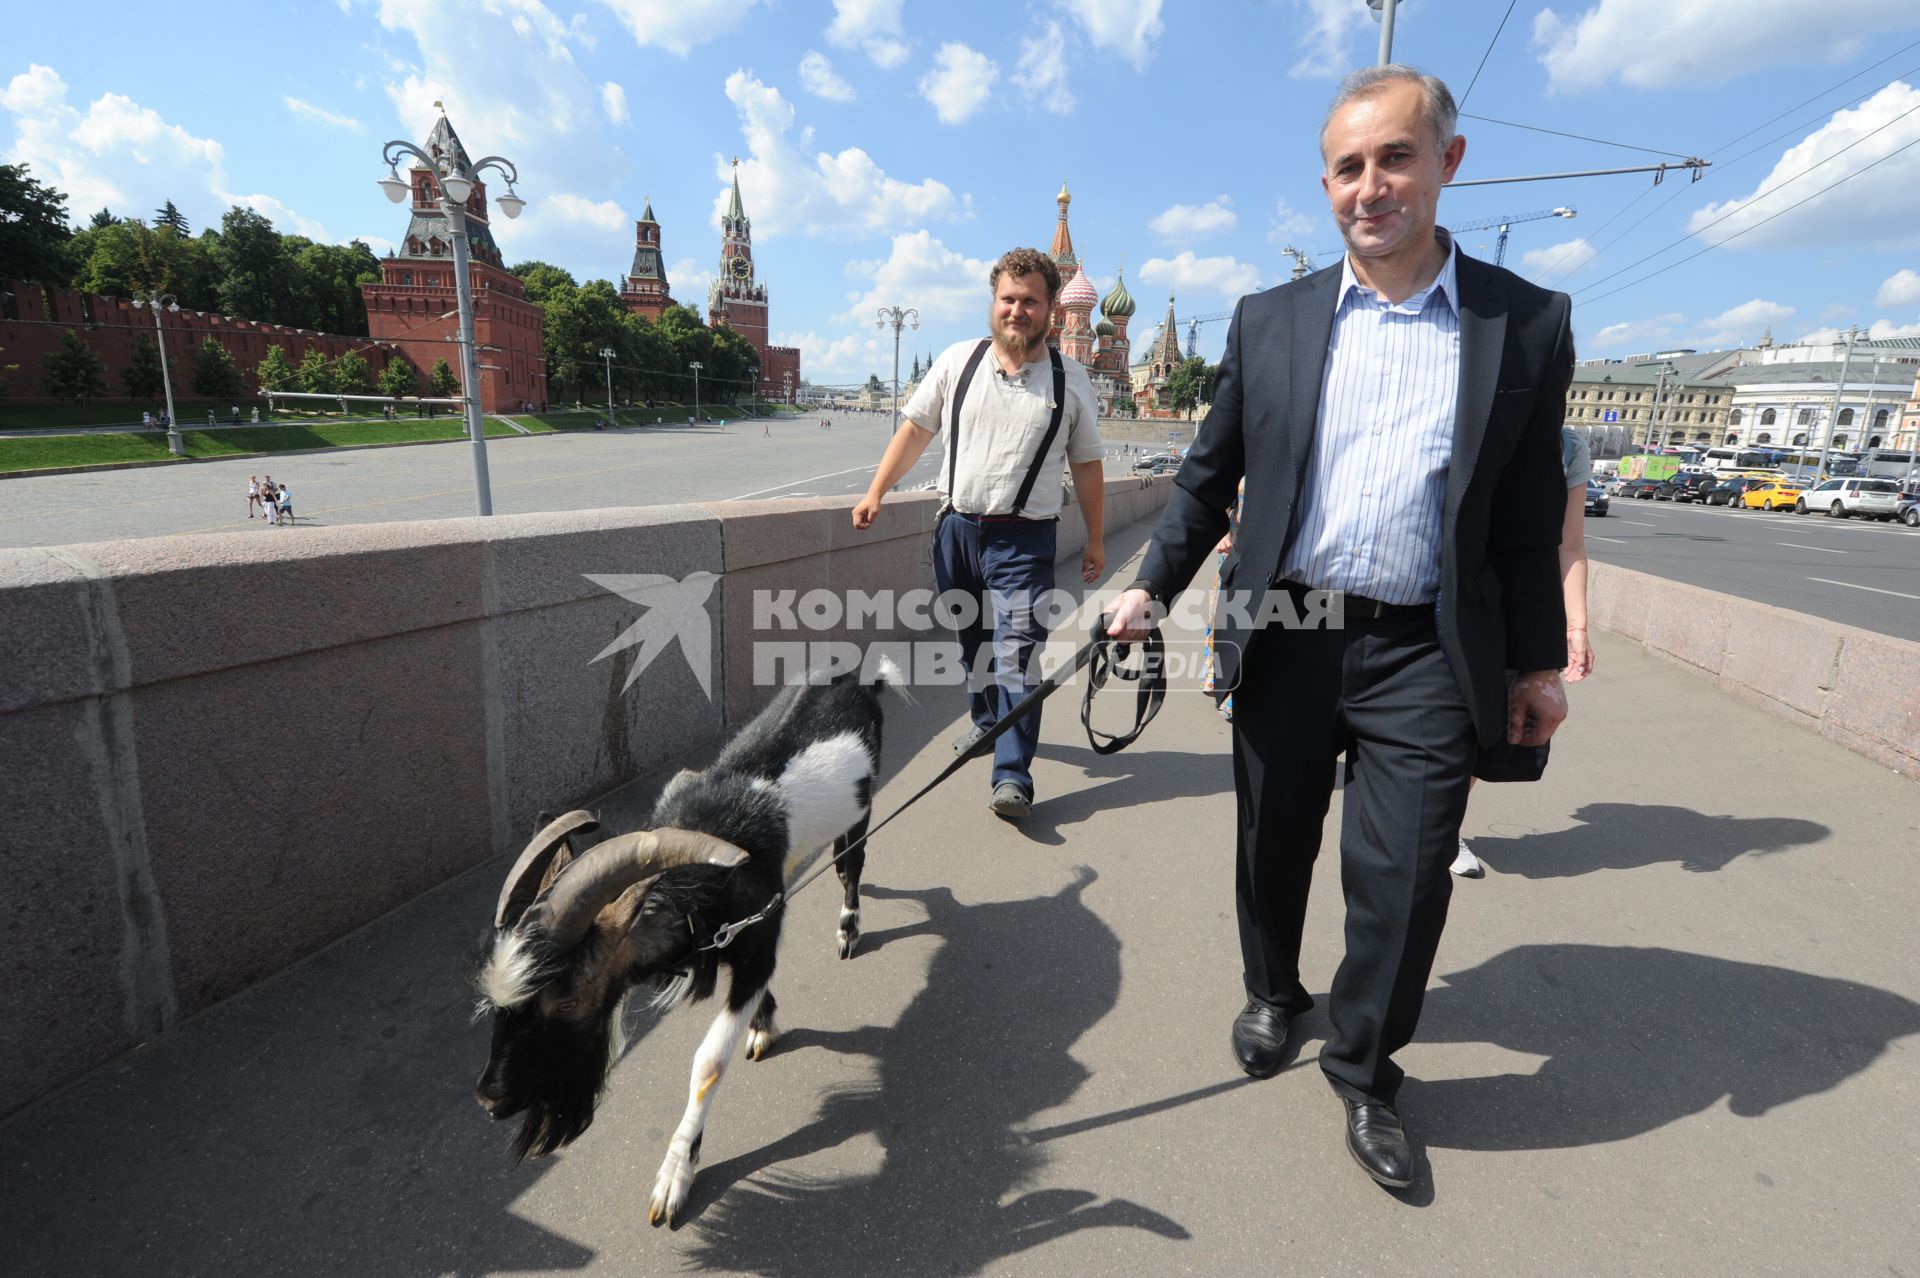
point(1507, 223)
point(1193, 329)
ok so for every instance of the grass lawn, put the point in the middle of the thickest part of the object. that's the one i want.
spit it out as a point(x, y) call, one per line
point(94, 450)
point(660, 414)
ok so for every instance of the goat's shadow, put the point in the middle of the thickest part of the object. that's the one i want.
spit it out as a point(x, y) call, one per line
point(953, 1079)
point(1636, 1038)
point(1627, 836)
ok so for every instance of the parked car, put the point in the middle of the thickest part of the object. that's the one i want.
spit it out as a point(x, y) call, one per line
point(1615, 484)
point(1909, 510)
point(1688, 487)
point(1596, 499)
point(1727, 491)
point(1639, 489)
point(1158, 464)
point(1772, 494)
point(1839, 498)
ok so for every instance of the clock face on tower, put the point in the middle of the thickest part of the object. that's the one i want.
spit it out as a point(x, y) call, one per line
point(740, 268)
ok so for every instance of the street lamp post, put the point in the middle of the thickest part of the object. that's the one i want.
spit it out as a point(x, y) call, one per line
point(606, 357)
point(1383, 14)
point(786, 381)
point(164, 302)
point(696, 366)
point(1833, 415)
point(899, 319)
point(753, 389)
point(455, 189)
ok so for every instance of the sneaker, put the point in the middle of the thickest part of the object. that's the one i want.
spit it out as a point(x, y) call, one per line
point(1467, 865)
point(965, 741)
point(1010, 801)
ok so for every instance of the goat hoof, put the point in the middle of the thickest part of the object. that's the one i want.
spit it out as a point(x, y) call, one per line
point(849, 934)
point(760, 1042)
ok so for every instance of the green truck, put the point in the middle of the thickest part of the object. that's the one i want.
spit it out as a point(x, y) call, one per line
point(1648, 466)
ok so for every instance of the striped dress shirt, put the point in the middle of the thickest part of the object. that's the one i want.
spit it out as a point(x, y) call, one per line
point(1369, 519)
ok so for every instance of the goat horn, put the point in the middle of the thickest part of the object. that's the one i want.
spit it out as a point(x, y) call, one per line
point(523, 880)
point(607, 869)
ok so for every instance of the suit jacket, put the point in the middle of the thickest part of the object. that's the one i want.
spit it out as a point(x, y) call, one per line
point(1499, 606)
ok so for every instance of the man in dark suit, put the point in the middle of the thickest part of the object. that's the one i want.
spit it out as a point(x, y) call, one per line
point(1397, 422)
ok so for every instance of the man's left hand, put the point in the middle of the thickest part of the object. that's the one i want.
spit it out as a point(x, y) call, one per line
point(1093, 562)
point(1536, 705)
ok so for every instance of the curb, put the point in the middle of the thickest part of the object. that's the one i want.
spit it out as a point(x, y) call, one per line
point(278, 452)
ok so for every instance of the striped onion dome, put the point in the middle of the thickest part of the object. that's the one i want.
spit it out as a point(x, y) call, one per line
point(1079, 294)
point(1119, 302)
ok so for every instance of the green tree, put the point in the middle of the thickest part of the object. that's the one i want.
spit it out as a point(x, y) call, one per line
point(73, 371)
point(104, 217)
point(141, 376)
point(1190, 384)
point(171, 218)
point(326, 280)
point(316, 373)
point(256, 279)
point(33, 228)
point(579, 324)
point(542, 279)
point(444, 383)
point(124, 256)
point(352, 375)
point(399, 379)
point(276, 371)
point(214, 374)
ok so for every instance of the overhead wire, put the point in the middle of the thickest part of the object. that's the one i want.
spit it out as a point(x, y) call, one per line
point(1578, 137)
point(1483, 57)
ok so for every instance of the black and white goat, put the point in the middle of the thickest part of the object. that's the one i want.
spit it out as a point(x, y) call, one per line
point(573, 934)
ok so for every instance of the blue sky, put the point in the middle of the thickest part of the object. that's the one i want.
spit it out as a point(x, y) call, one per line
point(892, 148)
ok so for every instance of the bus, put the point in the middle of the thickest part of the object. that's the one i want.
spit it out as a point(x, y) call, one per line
point(1723, 461)
point(1811, 463)
point(1887, 463)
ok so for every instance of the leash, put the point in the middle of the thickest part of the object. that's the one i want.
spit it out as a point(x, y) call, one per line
point(1103, 655)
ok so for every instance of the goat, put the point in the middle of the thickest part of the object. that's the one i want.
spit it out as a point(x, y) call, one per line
point(572, 935)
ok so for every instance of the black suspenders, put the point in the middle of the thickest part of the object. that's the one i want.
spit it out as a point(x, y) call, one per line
point(1039, 458)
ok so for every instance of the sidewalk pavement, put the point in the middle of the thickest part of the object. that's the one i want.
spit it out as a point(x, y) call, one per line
point(1671, 1032)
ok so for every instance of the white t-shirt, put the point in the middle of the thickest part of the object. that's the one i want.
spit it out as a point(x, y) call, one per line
point(1001, 426)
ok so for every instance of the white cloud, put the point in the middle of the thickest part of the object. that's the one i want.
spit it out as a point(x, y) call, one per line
point(674, 25)
point(1902, 288)
point(1219, 276)
point(119, 155)
point(839, 359)
point(1742, 325)
point(1187, 221)
point(1879, 331)
point(943, 285)
point(817, 77)
point(1329, 27)
point(1657, 43)
point(1873, 211)
point(563, 225)
point(960, 82)
point(1042, 75)
point(690, 282)
point(1631, 335)
point(1290, 225)
point(872, 26)
point(1130, 28)
point(843, 194)
point(613, 100)
point(1561, 260)
point(308, 111)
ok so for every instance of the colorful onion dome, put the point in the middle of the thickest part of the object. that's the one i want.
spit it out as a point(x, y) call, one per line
point(1119, 302)
point(1079, 294)
point(1104, 328)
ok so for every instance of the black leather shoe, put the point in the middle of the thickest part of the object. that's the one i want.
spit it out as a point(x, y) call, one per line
point(1260, 1039)
point(1378, 1143)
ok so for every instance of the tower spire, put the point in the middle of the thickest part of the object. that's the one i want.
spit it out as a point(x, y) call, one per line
point(736, 211)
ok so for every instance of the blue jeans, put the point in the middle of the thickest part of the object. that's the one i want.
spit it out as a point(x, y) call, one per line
point(1005, 566)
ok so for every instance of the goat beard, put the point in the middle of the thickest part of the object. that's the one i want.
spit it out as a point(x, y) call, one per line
point(572, 1079)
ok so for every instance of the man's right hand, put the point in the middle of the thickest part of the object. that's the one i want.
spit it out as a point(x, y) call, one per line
point(1132, 616)
point(866, 512)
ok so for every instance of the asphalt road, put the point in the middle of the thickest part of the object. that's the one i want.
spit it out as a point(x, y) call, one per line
point(1853, 571)
point(648, 467)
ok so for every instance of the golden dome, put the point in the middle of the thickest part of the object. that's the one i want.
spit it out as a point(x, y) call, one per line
point(1063, 197)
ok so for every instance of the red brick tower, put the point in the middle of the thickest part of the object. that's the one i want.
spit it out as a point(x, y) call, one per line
point(413, 305)
point(645, 290)
point(739, 301)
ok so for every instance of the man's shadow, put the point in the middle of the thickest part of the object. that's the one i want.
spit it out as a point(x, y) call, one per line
point(982, 1048)
point(1635, 1038)
point(1627, 836)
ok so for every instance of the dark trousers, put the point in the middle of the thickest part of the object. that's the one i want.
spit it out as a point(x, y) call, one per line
point(1383, 692)
point(1005, 566)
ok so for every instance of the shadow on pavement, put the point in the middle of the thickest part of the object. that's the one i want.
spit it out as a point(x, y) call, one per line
point(1626, 836)
point(984, 1046)
point(1634, 1039)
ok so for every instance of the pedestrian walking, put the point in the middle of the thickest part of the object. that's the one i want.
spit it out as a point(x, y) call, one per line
point(283, 501)
point(236, 414)
point(1446, 626)
point(253, 494)
point(1013, 411)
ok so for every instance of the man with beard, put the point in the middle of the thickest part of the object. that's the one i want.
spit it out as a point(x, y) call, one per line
point(1012, 409)
point(1396, 419)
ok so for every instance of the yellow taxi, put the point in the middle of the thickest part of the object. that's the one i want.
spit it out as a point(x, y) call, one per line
point(1774, 494)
